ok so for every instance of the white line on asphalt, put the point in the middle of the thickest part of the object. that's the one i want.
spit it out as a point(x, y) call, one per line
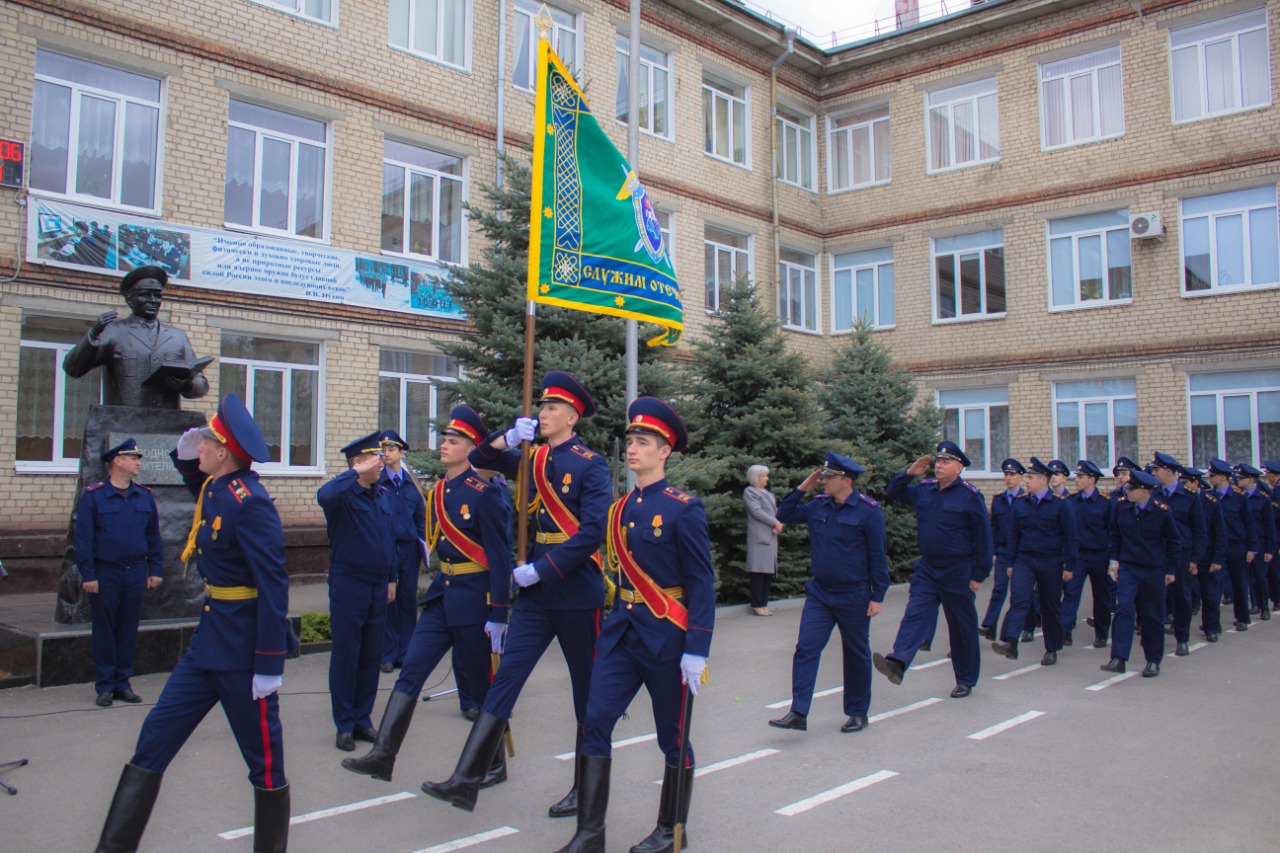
point(938, 662)
point(785, 702)
point(914, 706)
point(323, 813)
point(835, 793)
point(1022, 671)
point(729, 762)
point(470, 840)
point(1006, 725)
point(617, 744)
point(1115, 679)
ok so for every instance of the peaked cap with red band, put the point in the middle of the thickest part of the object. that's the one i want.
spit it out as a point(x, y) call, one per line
point(465, 422)
point(649, 414)
point(234, 428)
point(560, 387)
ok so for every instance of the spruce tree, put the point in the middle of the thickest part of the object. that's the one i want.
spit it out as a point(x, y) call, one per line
point(871, 416)
point(748, 400)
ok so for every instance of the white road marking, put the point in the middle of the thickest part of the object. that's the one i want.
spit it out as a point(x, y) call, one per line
point(923, 703)
point(1022, 671)
point(1115, 679)
point(470, 840)
point(938, 662)
point(323, 813)
point(617, 744)
point(730, 762)
point(1006, 725)
point(835, 793)
point(831, 691)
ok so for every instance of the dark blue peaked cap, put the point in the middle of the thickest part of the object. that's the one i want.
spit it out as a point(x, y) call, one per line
point(951, 450)
point(128, 447)
point(649, 414)
point(233, 427)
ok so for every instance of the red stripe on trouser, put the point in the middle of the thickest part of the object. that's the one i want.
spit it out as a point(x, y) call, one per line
point(266, 745)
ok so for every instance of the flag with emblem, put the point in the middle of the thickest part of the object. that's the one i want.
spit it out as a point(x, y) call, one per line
point(594, 241)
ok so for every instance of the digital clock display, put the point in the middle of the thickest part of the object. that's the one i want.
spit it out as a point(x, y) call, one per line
point(12, 158)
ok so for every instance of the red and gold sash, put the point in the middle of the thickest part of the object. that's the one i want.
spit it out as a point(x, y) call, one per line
point(560, 514)
point(470, 549)
point(659, 602)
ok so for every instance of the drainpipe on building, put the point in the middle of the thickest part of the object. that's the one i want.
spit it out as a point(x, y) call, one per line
point(502, 91)
point(773, 155)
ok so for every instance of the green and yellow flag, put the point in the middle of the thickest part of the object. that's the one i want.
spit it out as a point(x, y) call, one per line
point(594, 241)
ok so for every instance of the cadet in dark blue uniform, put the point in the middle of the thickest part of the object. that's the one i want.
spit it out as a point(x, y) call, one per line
point(410, 527)
point(659, 634)
point(1001, 519)
point(1145, 550)
point(954, 538)
point(236, 656)
point(850, 578)
point(119, 555)
point(562, 586)
point(1093, 542)
point(1209, 563)
point(1042, 555)
point(1271, 473)
point(1241, 535)
point(1247, 478)
point(359, 516)
point(468, 527)
point(1124, 465)
point(1188, 515)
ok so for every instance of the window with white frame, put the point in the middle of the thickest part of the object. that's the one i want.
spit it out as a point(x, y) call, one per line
point(1221, 67)
point(1089, 260)
point(968, 276)
point(859, 145)
point(316, 10)
point(281, 383)
point(277, 174)
point(724, 119)
point(422, 193)
point(95, 132)
point(1096, 419)
point(862, 289)
point(1229, 241)
point(726, 256)
point(1235, 416)
point(51, 406)
point(1081, 99)
point(963, 126)
point(412, 395)
point(436, 29)
point(665, 223)
point(798, 290)
point(795, 148)
point(655, 87)
point(563, 35)
point(977, 419)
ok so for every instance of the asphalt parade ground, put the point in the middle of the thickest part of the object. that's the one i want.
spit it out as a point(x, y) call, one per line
point(1061, 758)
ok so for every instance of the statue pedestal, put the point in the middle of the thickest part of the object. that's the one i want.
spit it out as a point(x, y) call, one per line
point(157, 432)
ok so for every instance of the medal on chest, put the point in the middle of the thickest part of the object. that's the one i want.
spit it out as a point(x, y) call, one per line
point(567, 479)
point(657, 526)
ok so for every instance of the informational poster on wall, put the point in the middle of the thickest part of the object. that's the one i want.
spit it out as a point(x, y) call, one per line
point(69, 235)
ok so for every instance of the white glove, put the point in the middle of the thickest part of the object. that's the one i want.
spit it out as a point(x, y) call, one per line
point(496, 631)
point(691, 668)
point(523, 430)
point(525, 575)
point(265, 685)
point(188, 443)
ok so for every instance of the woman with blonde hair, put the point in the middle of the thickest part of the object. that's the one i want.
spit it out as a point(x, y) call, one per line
point(763, 528)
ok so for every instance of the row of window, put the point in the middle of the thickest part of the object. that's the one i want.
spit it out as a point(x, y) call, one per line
point(282, 381)
point(1229, 242)
point(1233, 416)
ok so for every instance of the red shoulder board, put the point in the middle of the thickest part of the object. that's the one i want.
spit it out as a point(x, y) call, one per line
point(971, 487)
point(95, 486)
point(141, 486)
point(870, 501)
point(673, 492)
point(239, 489)
point(583, 452)
point(476, 483)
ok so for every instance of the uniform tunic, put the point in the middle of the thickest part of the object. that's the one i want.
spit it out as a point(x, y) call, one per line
point(1241, 537)
point(1215, 553)
point(409, 511)
point(1145, 541)
point(1001, 516)
point(1264, 525)
point(1188, 514)
point(1093, 541)
point(1041, 547)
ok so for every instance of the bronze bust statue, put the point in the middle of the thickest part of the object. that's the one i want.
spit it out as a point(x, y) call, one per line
point(134, 350)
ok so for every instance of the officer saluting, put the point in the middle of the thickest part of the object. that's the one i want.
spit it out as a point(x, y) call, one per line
point(1145, 549)
point(468, 527)
point(1241, 536)
point(118, 554)
point(954, 537)
point(658, 636)
point(237, 653)
point(850, 579)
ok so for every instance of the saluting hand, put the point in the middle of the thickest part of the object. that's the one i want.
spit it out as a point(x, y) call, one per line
point(811, 481)
point(920, 466)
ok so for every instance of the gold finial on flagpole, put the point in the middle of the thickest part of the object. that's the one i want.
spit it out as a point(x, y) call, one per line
point(544, 22)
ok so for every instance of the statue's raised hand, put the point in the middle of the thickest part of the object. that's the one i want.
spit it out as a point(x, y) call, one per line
point(104, 320)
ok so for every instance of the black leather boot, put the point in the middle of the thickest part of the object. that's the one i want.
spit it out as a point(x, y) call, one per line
point(271, 820)
point(568, 805)
point(593, 802)
point(497, 771)
point(461, 789)
point(130, 810)
point(670, 812)
point(380, 760)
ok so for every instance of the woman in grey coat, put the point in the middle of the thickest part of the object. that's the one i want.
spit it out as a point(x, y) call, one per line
point(763, 528)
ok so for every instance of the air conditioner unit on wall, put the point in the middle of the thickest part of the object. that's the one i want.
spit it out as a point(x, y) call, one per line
point(1145, 226)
